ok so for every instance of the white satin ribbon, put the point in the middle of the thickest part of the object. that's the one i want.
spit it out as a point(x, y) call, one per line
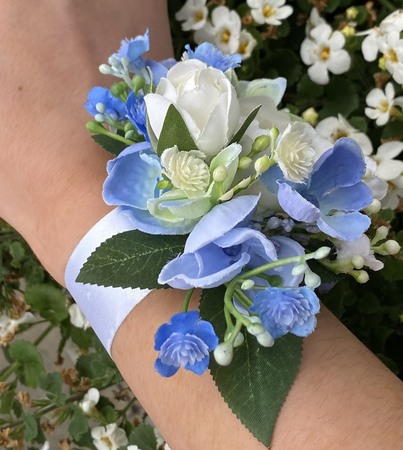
point(105, 307)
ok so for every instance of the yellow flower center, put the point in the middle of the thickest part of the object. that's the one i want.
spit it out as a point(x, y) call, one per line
point(107, 441)
point(198, 16)
point(391, 56)
point(383, 106)
point(325, 53)
point(382, 62)
point(268, 11)
point(225, 36)
point(338, 134)
point(243, 48)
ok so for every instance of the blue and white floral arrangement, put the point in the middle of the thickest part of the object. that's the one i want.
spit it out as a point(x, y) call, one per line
point(231, 195)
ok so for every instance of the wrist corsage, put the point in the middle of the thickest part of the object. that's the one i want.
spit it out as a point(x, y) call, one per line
point(226, 193)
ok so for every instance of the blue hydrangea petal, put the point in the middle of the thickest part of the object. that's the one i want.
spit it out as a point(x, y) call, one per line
point(158, 69)
point(224, 217)
point(213, 57)
point(199, 367)
point(271, 177)
point(294, 204)
point(351, 198)
point(133, 48)
point(132, 178)
point(136, 113)
point(341, 166)
point(287, 247)
point(205, 331)
point(162, 334)
point(164, 369)
point(346, 227)
point(112, 104)
point(185, 321)
point(306, 329)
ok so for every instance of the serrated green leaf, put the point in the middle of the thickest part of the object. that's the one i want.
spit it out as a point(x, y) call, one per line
point(244, 383)
point(78, 423)
point(48, 300)
point(131, 259)
point(144, 437)
point(175, 132)
point(30, 360)
point(242, 129)
point(109, 144)
point(30, 426)
point(7, 402)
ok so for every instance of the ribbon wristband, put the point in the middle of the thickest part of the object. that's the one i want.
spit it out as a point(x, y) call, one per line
point(104, 307)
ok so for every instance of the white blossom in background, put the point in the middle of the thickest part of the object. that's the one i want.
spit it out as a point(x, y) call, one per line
point(390, 170)
point(77, 318)
point(133, 447)
point(391, 47)
point(333, 128)
point(314, 20)
point(370, 45)
point(223, 31)
point(323, 51)
point(193, 15)
point(246, 44)
point(90, 400)
point(109, 438)
point(8, 326)
point(379, 187)
point(45, 446)
point(380, 104)
point(271, 12)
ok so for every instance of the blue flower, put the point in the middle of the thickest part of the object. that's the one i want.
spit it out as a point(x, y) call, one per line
point(186, 341)
point(133, 49)
point(332, 196)
point(136, 113)
point(287, 310)
point(132, 184)
point(219, 246)
point(213, 57)
point(114, 107)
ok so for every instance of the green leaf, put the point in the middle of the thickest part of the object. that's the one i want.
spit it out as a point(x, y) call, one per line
point(238, 135)
point(78, 423)
point(175, 132)
point(340, 98)
point(109, 144)
point(30, 426)
point(48, 300)
point(7, 402)
point(144, 437)
point(393, 270)
point(30, 360)
point(258, 380)
point(308, 90)
point(131, 259)
point(393, 130)
point(17, 253)
point(53, 385)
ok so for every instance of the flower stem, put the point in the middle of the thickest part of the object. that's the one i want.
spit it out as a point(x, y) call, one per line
point(186, 301)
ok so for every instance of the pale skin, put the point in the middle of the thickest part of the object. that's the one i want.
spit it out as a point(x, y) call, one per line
point(50, 184)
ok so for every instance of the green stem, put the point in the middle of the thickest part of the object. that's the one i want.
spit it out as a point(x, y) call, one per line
point(42, 336)
point(188, 296)
point(9, 370)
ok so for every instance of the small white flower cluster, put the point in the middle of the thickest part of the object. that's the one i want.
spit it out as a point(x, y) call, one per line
point(382, 104)
point(224, 27)
point(9, 327)
point(323, 50)
point(386, 39)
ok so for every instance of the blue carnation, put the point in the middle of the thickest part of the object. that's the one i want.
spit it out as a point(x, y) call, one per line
point(186, 341)
point(114, 107)
point(332, 196)
point(133, 49)
point(136, 113)
point(287, 310)
point(213, 57)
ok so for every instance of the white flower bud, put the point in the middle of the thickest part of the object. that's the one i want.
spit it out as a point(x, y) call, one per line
point(312, 280)
point(381, 233)
point(220, 173)
point(357, 261)
point(310, 116)
point(299, 269)
point(260, 143)
point(255, 329)
point(100, 107)
point(265, 339)
point(247, 284)
point(392, 247)
point(262, 164)
point(105, 69)
point(361, 276)
point(227, 196)
point(99, 118)
point(244, 162)
point(322, 252)
point(374, 207)
point(239, 340)
point(243, 184)
point(223, 353)
point(129, 134)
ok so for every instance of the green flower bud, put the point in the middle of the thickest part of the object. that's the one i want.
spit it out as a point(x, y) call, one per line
point(322, 252)
point(262, 164)
point(94, 127)
point(138, 83)
point(244, 162)
point(247, 284)
point(163, 184)
point(220, 173)
point(118, 89)
point(310, 116)
point(260, 144)
point(357, 261)
point(351, 13)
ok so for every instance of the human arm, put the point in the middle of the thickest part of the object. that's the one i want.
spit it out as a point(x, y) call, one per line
point(50, 185)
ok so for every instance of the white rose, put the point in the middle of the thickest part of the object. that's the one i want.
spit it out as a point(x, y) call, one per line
point(206, 100)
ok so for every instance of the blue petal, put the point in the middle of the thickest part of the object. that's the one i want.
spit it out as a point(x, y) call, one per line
point(132, 178)
point(341, 166)
point(351, 198)
point(219, 220)
point(347, 227)
point(199, 367)
point(286, 248)
point(133, 48)
point(185, 321)
point(271, 177)
point(305, 329)
point(213, 57)
point(104, 96)
point(295, 205)
point(162, 334)
point(164, 369)
point(205, 331)
point(136, 113)
point(159, 70)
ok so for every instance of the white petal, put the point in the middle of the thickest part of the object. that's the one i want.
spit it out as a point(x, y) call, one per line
point(339, 62)
point(318, 73)
point(389, 150)
point(388, 170)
